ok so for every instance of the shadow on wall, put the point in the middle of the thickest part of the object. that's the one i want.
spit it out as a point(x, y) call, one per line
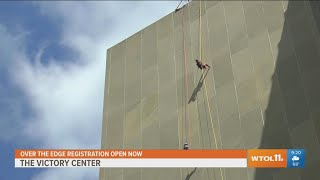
point(198, 88)
point(190, 174)
point(292, 117)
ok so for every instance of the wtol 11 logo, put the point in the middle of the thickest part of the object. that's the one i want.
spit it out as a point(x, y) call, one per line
point(296, 158)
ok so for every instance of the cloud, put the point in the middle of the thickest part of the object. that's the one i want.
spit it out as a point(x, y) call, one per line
point(66, 99)
point(295, 158)
point(109, 22)
point(68, 103)
point(67, 96)
point(10, 44)
point(11, 101)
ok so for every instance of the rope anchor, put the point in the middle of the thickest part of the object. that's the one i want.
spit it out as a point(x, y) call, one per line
point(178, 8)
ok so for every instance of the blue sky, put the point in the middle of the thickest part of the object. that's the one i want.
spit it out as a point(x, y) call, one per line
point(52, 70)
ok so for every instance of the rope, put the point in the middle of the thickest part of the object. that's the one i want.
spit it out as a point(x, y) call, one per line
point(200, 33)
point(205, 84)
point(186, 82)
point(214, 134)
point(178, 5)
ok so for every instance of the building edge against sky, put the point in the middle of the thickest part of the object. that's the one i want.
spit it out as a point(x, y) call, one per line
point(261, 92)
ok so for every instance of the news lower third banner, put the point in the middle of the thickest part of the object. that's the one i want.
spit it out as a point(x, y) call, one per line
point(258, 158)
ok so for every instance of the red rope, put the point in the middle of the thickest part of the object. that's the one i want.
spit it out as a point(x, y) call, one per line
point(186, 80)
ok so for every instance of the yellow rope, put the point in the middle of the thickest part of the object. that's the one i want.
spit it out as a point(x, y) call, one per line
point(205, 85)
point(214, 134)
point(200, 35)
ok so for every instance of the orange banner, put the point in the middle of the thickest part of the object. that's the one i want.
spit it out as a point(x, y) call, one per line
point(130, 154)
point(267, 158)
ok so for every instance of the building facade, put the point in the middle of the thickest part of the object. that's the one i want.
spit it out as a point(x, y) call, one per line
point(262, 90)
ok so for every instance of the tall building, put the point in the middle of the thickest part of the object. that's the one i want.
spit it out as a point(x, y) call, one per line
point(262, 90)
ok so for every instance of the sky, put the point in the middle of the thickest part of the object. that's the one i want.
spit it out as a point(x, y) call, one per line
point(52, 71)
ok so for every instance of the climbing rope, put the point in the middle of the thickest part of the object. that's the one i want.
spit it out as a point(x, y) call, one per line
point(205, 84)
point(177, 8)
point(186, 84)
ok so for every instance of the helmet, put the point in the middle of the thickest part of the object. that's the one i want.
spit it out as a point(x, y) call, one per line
point(186, 146)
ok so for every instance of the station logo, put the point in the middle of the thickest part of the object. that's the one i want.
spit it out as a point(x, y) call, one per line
point(267, 158)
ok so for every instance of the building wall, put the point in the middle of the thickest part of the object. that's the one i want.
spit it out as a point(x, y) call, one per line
point(262, 90)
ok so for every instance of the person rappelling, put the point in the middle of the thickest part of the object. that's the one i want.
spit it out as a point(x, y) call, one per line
point(202, 65)
point(186, 146)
